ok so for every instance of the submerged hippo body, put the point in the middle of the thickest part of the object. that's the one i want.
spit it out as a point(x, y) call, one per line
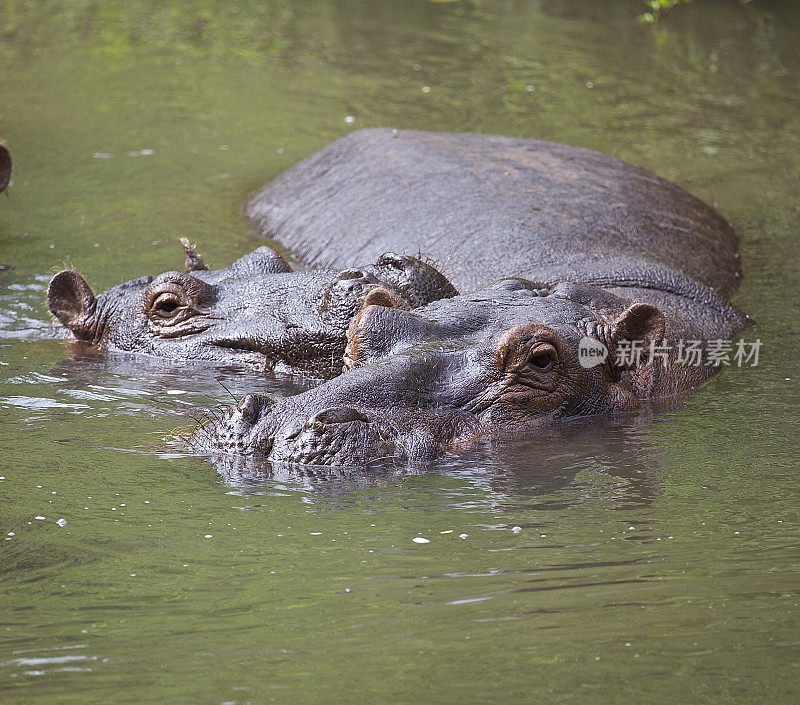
point(257, 311)
point(583, 246)
point(486, 207)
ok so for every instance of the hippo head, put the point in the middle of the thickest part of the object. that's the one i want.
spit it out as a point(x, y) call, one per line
point(256, 311)
point(504, 361)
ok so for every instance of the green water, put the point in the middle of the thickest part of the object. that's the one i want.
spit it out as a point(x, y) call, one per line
point(655, 560)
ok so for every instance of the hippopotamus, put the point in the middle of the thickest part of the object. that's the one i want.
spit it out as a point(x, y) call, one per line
point(557, 250)
point(257, 311)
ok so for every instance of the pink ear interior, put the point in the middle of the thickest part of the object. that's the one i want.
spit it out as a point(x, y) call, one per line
point(69, 298)
point(639, 322)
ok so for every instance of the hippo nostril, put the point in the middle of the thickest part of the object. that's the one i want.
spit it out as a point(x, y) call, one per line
point(250, 407)
point(338, 414)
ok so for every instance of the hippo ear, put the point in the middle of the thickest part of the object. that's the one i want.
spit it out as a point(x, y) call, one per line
point(70, 300)
point(637, 327)
point(380, 296)
point(192, 261)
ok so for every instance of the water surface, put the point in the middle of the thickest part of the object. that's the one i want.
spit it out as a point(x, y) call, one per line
point(630, 560)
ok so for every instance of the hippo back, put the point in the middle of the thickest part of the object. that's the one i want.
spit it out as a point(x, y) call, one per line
point(485, 207)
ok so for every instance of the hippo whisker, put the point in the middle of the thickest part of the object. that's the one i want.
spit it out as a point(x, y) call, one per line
point(383, 457)
point(230, 393)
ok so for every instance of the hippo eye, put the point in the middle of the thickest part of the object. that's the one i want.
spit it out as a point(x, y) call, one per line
point(173, 301)
point(165, 305)
point(542, 360)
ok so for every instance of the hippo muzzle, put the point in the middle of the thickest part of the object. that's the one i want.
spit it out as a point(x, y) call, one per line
point(260, 427)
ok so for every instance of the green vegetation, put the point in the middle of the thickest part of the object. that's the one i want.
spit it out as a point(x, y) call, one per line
point(658, 8)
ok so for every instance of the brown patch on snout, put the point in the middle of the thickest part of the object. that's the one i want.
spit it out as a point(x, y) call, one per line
point(377, 298)
point(529, 380)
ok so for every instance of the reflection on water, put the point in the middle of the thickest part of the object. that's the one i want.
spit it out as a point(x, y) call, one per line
point(619, 454)
point(20, 308)
point(646, 559)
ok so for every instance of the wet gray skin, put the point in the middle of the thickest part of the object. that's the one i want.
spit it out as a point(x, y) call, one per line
point(501, 362)
point(255, 312)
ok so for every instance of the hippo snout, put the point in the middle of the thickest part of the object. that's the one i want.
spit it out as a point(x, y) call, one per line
point(241, 429)
point(251, 407)
point(335, 435)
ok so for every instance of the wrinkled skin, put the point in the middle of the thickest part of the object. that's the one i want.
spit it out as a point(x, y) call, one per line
point(650, 259)
point(501, 362)
point(256, 312)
